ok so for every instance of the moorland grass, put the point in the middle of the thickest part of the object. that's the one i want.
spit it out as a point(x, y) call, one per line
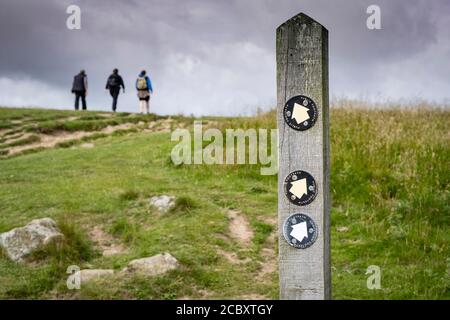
point(390, 208)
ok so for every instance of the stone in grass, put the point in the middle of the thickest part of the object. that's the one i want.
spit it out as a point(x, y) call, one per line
point(87, 145)
point(342, 229)
point(163, 203)
point(87, 275)
point(18, 243)
point(153, 266)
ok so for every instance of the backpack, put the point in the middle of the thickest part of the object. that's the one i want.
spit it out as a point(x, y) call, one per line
point(78, 83)
point(141, 83)
point(113, 81)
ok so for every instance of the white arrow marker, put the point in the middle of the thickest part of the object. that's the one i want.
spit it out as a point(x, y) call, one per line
point(299, 188)
point(300, 231)
point(299, 113)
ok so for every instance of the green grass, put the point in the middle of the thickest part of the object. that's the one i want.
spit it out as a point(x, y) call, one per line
point(183, 204)
point(5, 125)
point(389, 184)
point(390, 187)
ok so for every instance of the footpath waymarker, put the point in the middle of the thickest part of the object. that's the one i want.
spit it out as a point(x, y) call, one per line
point(300, 231)
point(300, 188)
point(300, 113)
point(304, 166)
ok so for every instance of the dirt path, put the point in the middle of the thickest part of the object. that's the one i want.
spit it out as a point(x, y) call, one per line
point(15, 137)
point(50, 141)
point(239, 227)
point(232, 257)
point(106, 243)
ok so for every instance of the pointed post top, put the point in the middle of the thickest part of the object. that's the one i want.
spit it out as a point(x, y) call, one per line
point(301, 18)
point(304, 165)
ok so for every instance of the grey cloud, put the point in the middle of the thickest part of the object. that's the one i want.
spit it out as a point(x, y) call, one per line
point(217, 57)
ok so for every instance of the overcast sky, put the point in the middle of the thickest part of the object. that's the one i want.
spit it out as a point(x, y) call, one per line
point(216, 56)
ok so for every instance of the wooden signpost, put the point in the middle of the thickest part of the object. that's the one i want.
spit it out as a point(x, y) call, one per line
point(304, 166)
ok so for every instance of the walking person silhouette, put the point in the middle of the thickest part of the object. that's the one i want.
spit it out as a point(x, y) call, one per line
point(144, 89)
point(113, 84)
point(80, 89)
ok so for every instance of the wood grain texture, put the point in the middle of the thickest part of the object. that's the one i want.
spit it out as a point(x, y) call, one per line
point(302, 68)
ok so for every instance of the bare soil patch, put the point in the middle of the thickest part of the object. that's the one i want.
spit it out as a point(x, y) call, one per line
point(107, 244)
point(232, 257)
point(50, 141)
point(240, 229)
point(270, 262)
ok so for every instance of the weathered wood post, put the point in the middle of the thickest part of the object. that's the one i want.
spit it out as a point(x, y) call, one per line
point(303, 176)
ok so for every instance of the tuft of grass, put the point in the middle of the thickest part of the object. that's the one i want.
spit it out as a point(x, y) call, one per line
point(127, 231)
point(94, 136)
point(76, 248)
point(90, 117)
point(184, 204)
point(46, 127)
point(6, 125)
point(123, 114)
point(258, 190)
point(262, 231)
point(129, 195)
point(122, 132)
point(67, 144)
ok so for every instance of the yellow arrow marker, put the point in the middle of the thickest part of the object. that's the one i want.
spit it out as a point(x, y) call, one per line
point(299, 188)
point(300, 113)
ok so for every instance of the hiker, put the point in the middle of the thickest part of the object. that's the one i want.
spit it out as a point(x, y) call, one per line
point(144, 89)
point(114, 83)
point(80, 89)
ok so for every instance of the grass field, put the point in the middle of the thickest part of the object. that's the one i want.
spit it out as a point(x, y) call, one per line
point(390, 205)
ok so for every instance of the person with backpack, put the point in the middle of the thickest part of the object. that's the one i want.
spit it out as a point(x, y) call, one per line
point(113, 84)
point(80, 89)
point(144, 89)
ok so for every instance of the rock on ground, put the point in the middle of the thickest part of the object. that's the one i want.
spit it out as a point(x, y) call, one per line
point(153, 266)
point(87, 275)
point(163, 203)
point(20, 242)
point(87, 145)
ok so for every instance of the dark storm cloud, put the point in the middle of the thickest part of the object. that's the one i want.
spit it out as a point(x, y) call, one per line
point(218, 56)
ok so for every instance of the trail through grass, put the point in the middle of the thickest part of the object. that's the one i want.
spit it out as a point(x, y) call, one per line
point(390, 193)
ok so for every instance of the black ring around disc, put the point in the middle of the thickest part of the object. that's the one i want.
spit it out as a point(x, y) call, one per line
point(300, 188)
point(300, 113)
point(300, 231)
